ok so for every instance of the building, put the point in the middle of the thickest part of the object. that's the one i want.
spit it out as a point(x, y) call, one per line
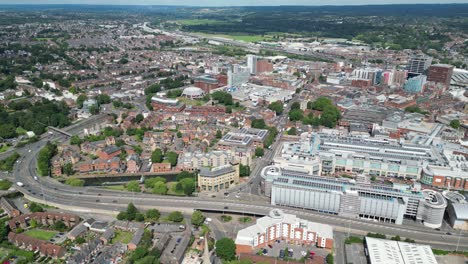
point(387, 203)
point(166, 105)
point(281, 226)
point(109, 152)
point(218, 178)
point(33, 244)
point(418, 64)
point(207, 83)
point(457, 210)
point(264, 66)
point(193, 93)
point(415, 84)
point(252, 63)
point(43, 218)
point(9, 207)
point(198, 159)
point(244, 138)
point(440, 73)
point(382, 251)
point(237, 75)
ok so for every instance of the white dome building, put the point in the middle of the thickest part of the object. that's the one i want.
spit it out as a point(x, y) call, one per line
point(193, 92)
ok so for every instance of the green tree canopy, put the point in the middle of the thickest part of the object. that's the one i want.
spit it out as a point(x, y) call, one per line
point(153, 214)
point(226, 249)
point(277, 107)
point(198, 218)
point(157, 156)
point(159, 188)
point(455, 124)
point(133, 186)
point(176, 217)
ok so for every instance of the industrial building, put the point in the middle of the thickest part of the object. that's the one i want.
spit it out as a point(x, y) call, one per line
point(382, 251)
point(387, 203)
point(281, 226)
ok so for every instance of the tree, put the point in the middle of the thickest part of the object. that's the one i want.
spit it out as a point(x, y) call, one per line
point(33, 223)
point(159, 188)
point(176, 217)
point(34, 207)
point(321, 103)
point(80, 240)
point(149, 183)
point(172, 158)
point(75, 182)
point(183, 175)
point(258, 123)
point(103, 99)
point(219, 134)
point(94, 109)
point(133, 186)
point(139, 217)
point(295, 105)
point(292, 131)
point(59, 226)
point(226, 249)
point(122, 216)
point(296, 115)
point(396, 238)
point(259, 152)
point(131, 212)
point(75, 140)
point(80, 100)
point(7, 131)
point(277, 107)
point(138, 254)
point(153, 214)
point(244, 170)
point(68, 169)
point(179, 134)
point(198, 218)
point(157, 156)
point(455, 124)
point(188, 185)
point(139, 118)
point(330, 259)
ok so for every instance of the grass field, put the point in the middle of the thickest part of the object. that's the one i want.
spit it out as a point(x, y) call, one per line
point(4, 148)
point(171, 189)
point(193, 22)
point(188, 101)
point(40, 234)
point(246, 38)
point(123, 237)
point(116, 187)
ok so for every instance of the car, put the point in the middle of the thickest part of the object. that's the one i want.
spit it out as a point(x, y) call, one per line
point(80, 192)
point(41, 194)
point(97, 200)
point(448, 233)
point(237, 196)
point(52, 240)
point(34, 193)
point(114, 201)
point(226, 207)
point(213, 196)
point(265, 251)
point(226, 194)
point(99, 194)
point(61, 233)
point(437, 229)
point(35, 178)
point(290, 252)
point(270, 246)
point(281, 254)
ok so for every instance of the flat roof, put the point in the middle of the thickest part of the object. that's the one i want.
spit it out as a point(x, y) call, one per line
point(382, 251)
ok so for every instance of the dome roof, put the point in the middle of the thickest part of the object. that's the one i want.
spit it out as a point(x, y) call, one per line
point(192, 91)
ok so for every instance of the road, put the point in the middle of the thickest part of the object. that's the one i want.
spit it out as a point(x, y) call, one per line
point(89, 199)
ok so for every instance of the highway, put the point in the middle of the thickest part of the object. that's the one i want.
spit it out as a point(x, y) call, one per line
point(90, 199)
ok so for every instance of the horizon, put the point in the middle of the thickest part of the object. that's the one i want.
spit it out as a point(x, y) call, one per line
point(224, 3)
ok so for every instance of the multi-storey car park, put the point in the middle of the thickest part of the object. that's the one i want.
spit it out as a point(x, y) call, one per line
point(388, 203)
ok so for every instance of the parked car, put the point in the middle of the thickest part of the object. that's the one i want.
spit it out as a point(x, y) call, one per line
point(281, 254)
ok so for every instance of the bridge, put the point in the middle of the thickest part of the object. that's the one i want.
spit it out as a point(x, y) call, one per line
point(60, 131)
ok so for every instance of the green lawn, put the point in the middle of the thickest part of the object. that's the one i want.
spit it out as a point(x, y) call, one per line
point(123, 237)
point(40, 234)
point(188, 101)
point(193, 22)
point(171, 189)
point(116, 187)
point(4, 148)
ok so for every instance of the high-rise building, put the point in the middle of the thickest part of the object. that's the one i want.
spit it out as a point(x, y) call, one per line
point(440, 73)
point(415, 84)
point(238, 75)
point(252, 63)
point(264, 66)
point(418, 64)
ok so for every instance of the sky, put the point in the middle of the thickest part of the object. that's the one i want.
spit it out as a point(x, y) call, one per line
point(231, 2)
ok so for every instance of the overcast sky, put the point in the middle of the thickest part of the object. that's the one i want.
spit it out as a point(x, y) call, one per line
point(231, 2)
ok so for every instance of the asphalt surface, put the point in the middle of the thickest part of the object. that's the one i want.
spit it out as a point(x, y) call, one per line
point(89, 199)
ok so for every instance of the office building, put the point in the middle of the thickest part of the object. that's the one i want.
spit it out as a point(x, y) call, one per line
point(264, 66)
point(237, 75)
point(418, 64)
point(218, 178)
point(281, 226)
point(244, 138)
point(252, 63)
point(387, 203)
point(382, 251)
point(457, 210)
point(415, 85)
point(440, 73)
